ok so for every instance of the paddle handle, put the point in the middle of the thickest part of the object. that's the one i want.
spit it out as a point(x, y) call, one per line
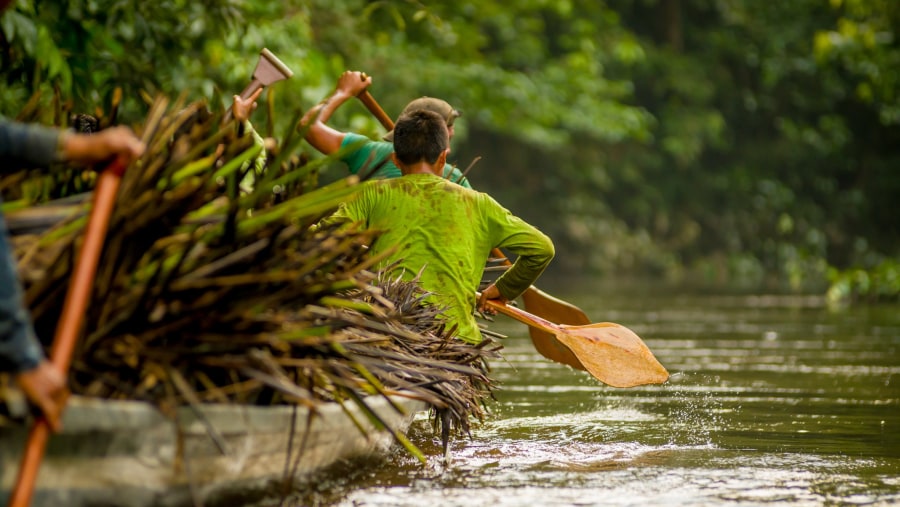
point(83, 277)
point(249, 90)
point(79, 293)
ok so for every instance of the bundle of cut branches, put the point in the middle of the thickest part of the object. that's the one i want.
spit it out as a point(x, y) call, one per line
point(210, 292)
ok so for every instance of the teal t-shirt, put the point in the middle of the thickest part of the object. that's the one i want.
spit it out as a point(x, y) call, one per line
point(450, 230)
point(376, 156)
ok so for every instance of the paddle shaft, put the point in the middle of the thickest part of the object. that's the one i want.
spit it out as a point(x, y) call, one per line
point(524, 317)
point(79, 293)
point(366, 98)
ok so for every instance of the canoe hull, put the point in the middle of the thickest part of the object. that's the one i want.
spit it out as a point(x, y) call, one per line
point(126, 453)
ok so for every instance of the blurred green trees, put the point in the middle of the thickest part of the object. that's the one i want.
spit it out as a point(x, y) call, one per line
point(735, 140)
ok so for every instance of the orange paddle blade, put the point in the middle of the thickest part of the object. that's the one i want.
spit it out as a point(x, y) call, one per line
point(613, 354)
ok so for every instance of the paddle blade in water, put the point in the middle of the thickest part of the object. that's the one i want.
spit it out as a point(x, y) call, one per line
point(613, 354)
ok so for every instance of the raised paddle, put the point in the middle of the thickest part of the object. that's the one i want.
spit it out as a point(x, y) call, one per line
point(610, 352)
point(369, 101)
point(70, 321)
point(536, 301)
point(269, 70)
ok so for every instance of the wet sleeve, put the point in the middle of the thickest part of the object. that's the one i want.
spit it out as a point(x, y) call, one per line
point(534, 251)
point(350, 211)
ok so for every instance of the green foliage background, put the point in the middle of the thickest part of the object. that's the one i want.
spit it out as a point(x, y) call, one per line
point(734, 140)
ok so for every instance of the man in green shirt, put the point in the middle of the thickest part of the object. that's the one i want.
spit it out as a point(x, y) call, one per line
point(363, 156)
point(444, 228)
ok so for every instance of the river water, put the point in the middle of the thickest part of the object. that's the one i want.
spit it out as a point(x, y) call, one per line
point(773, 399)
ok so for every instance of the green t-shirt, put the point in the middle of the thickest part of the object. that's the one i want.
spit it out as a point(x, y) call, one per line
point(376, 156)
point(450, 230)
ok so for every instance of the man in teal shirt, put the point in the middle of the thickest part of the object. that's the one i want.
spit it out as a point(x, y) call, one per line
point(363, 156)
point(448, 230)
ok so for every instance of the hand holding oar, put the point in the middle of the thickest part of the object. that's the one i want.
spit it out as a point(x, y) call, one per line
point(612, 353)
point(70, 321)
point(269, 70)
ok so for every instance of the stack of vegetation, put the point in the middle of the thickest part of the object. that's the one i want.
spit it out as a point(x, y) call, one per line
point(209, 291)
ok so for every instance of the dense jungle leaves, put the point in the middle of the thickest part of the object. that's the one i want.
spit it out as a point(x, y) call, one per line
point(731, 140)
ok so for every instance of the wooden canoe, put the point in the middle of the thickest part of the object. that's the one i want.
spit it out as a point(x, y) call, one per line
point(126, 453)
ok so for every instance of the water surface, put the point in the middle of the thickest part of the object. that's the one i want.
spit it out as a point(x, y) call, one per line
point(773, 399)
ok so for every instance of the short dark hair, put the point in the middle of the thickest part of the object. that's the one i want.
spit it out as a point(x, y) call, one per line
point(420, 135)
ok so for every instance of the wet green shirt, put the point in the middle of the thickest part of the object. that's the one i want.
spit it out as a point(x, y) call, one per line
point(450, 230)
point(376, 156)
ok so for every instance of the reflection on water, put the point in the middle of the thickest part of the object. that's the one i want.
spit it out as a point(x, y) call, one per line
point(772, 399)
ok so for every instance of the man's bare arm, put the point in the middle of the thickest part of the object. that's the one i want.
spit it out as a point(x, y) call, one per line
point(322, 137)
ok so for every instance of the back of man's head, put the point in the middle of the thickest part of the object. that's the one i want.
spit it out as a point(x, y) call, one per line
point(420, 136)
point(441, 107)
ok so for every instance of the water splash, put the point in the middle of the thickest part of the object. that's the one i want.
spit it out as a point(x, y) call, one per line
point(695, 411)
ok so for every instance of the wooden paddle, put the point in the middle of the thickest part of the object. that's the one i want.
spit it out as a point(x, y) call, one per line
point(610, 352)
point(70, 321)
point(536, 301)
point(269, 70)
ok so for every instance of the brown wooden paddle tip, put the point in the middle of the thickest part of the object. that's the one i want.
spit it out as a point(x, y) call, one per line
point(613, 354)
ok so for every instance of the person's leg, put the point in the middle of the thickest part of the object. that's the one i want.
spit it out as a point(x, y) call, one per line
point(19, 347)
